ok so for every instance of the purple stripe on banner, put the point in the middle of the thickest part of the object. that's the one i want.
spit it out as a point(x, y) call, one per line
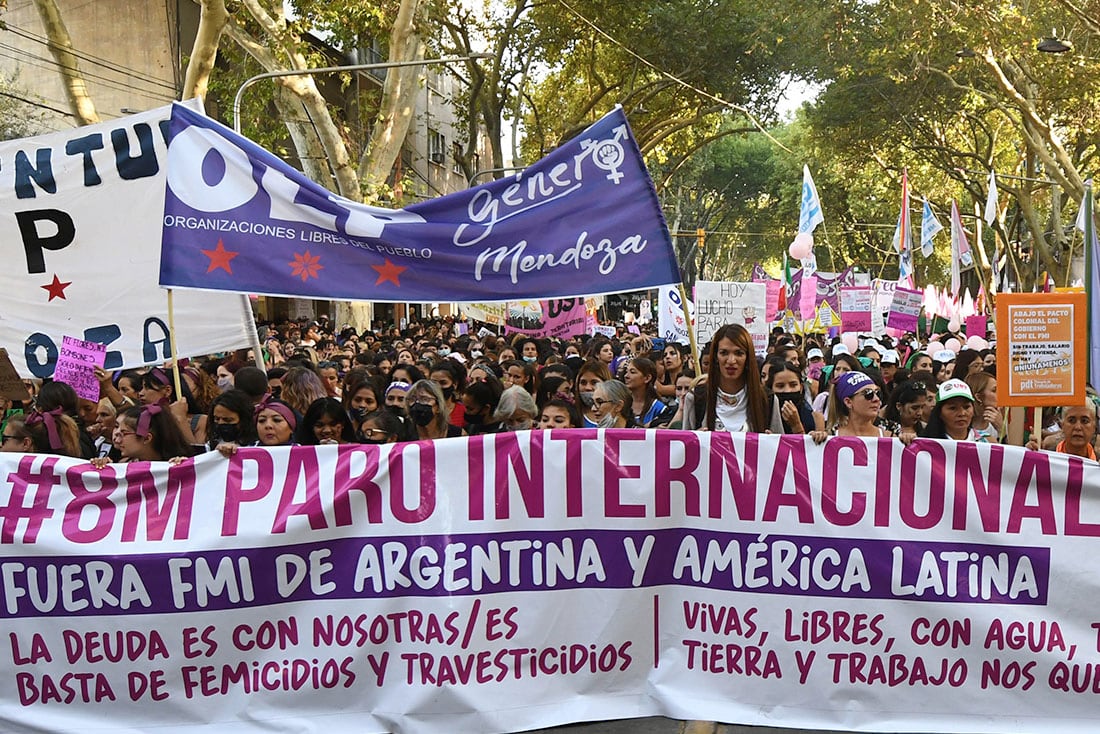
point(464, 565)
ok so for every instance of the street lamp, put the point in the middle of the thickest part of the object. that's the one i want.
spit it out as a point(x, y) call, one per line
point(330, 69)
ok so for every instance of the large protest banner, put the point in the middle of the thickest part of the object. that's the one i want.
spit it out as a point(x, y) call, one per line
point(80, 213)
point(584, 220)
point(559, 576)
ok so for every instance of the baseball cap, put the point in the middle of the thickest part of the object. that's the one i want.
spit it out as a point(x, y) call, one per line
point(954, 389)
point(815, 353)
point(848, 384)
point(840, 349)
point(944, 356)
point(890, 356)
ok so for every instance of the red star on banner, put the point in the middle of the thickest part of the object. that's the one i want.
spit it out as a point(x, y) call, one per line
point(56, 289)
point(219, 258)
point(389, 271)
point(306, 265)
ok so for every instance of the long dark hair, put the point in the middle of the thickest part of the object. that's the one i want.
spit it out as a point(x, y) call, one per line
point(322, 408)
point(754, 391)
point(649, 369)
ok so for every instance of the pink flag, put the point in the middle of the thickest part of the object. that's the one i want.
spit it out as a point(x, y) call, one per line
point(808, 297)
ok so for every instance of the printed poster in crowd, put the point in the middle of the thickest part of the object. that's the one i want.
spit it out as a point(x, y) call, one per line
point(905, 309)
point(519, 581)
point(855, 309)
point(557, 318)
point(76, 365)
point(81, 212)
point(595, 329)
point(826, 316)
point(494, 314)
point(1041, 345)
point(583, 220)
point(672, 326)
point(718, 303)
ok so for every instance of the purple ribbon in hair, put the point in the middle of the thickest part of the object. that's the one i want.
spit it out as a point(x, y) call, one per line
point(267, 403)
point(49, 417)
point(146, 418)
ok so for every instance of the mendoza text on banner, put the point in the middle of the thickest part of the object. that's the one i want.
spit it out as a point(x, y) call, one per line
point(584, 220)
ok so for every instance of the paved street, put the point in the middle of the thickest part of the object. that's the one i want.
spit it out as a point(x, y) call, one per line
point(661, 725)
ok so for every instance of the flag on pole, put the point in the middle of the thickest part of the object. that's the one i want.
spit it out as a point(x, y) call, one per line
point(810, 215)
point(960, 249)
point(1092, 283)
point(784, 288)
point(929, 228)
point(903, 237)
point(991, 200)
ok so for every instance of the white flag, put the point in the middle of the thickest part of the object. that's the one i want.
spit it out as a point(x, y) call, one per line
point(960, 250)
point(809, 216)
point(929, 228)
point(991, 200)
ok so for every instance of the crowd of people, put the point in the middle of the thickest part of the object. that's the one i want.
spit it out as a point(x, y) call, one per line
point(320, 385)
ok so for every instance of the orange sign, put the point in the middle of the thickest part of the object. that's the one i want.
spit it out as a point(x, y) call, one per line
point(1041, 349)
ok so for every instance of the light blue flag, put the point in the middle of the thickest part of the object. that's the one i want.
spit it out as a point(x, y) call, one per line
point(929, 228)
point(809, 216)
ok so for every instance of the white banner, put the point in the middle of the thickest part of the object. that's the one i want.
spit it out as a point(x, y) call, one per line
point(718, 303)
point(671, 324)
point(80, 214)
point(756, 579)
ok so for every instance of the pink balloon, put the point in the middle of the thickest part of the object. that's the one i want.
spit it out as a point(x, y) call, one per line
point(849, 340)
point(976, 343)
point(934, 347)
point(954, 345)
point(802, 246)
point(953, 325)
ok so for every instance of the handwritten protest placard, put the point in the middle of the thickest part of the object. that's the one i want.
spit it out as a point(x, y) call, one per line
point(719, 303)
point(76, 363)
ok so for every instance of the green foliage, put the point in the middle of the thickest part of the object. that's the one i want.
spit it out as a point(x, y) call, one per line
point(20, 113)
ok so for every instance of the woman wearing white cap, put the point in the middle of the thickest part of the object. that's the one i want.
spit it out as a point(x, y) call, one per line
point(943, 364)
point(953, 414)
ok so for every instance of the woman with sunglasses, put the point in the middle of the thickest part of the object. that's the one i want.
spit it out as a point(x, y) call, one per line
point(857, 400)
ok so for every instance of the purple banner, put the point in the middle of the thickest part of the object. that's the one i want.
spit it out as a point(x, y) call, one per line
point(410, 566)
point(828, 284)
point(582, 221)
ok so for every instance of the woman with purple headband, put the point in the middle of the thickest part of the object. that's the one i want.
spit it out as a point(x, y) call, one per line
point(148, 433)
point(37, 432)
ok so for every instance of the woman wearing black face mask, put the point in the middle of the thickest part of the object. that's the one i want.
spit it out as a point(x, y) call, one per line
point(481, 400)
point(426, 407)
point(362, 396)
point(230, 420)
